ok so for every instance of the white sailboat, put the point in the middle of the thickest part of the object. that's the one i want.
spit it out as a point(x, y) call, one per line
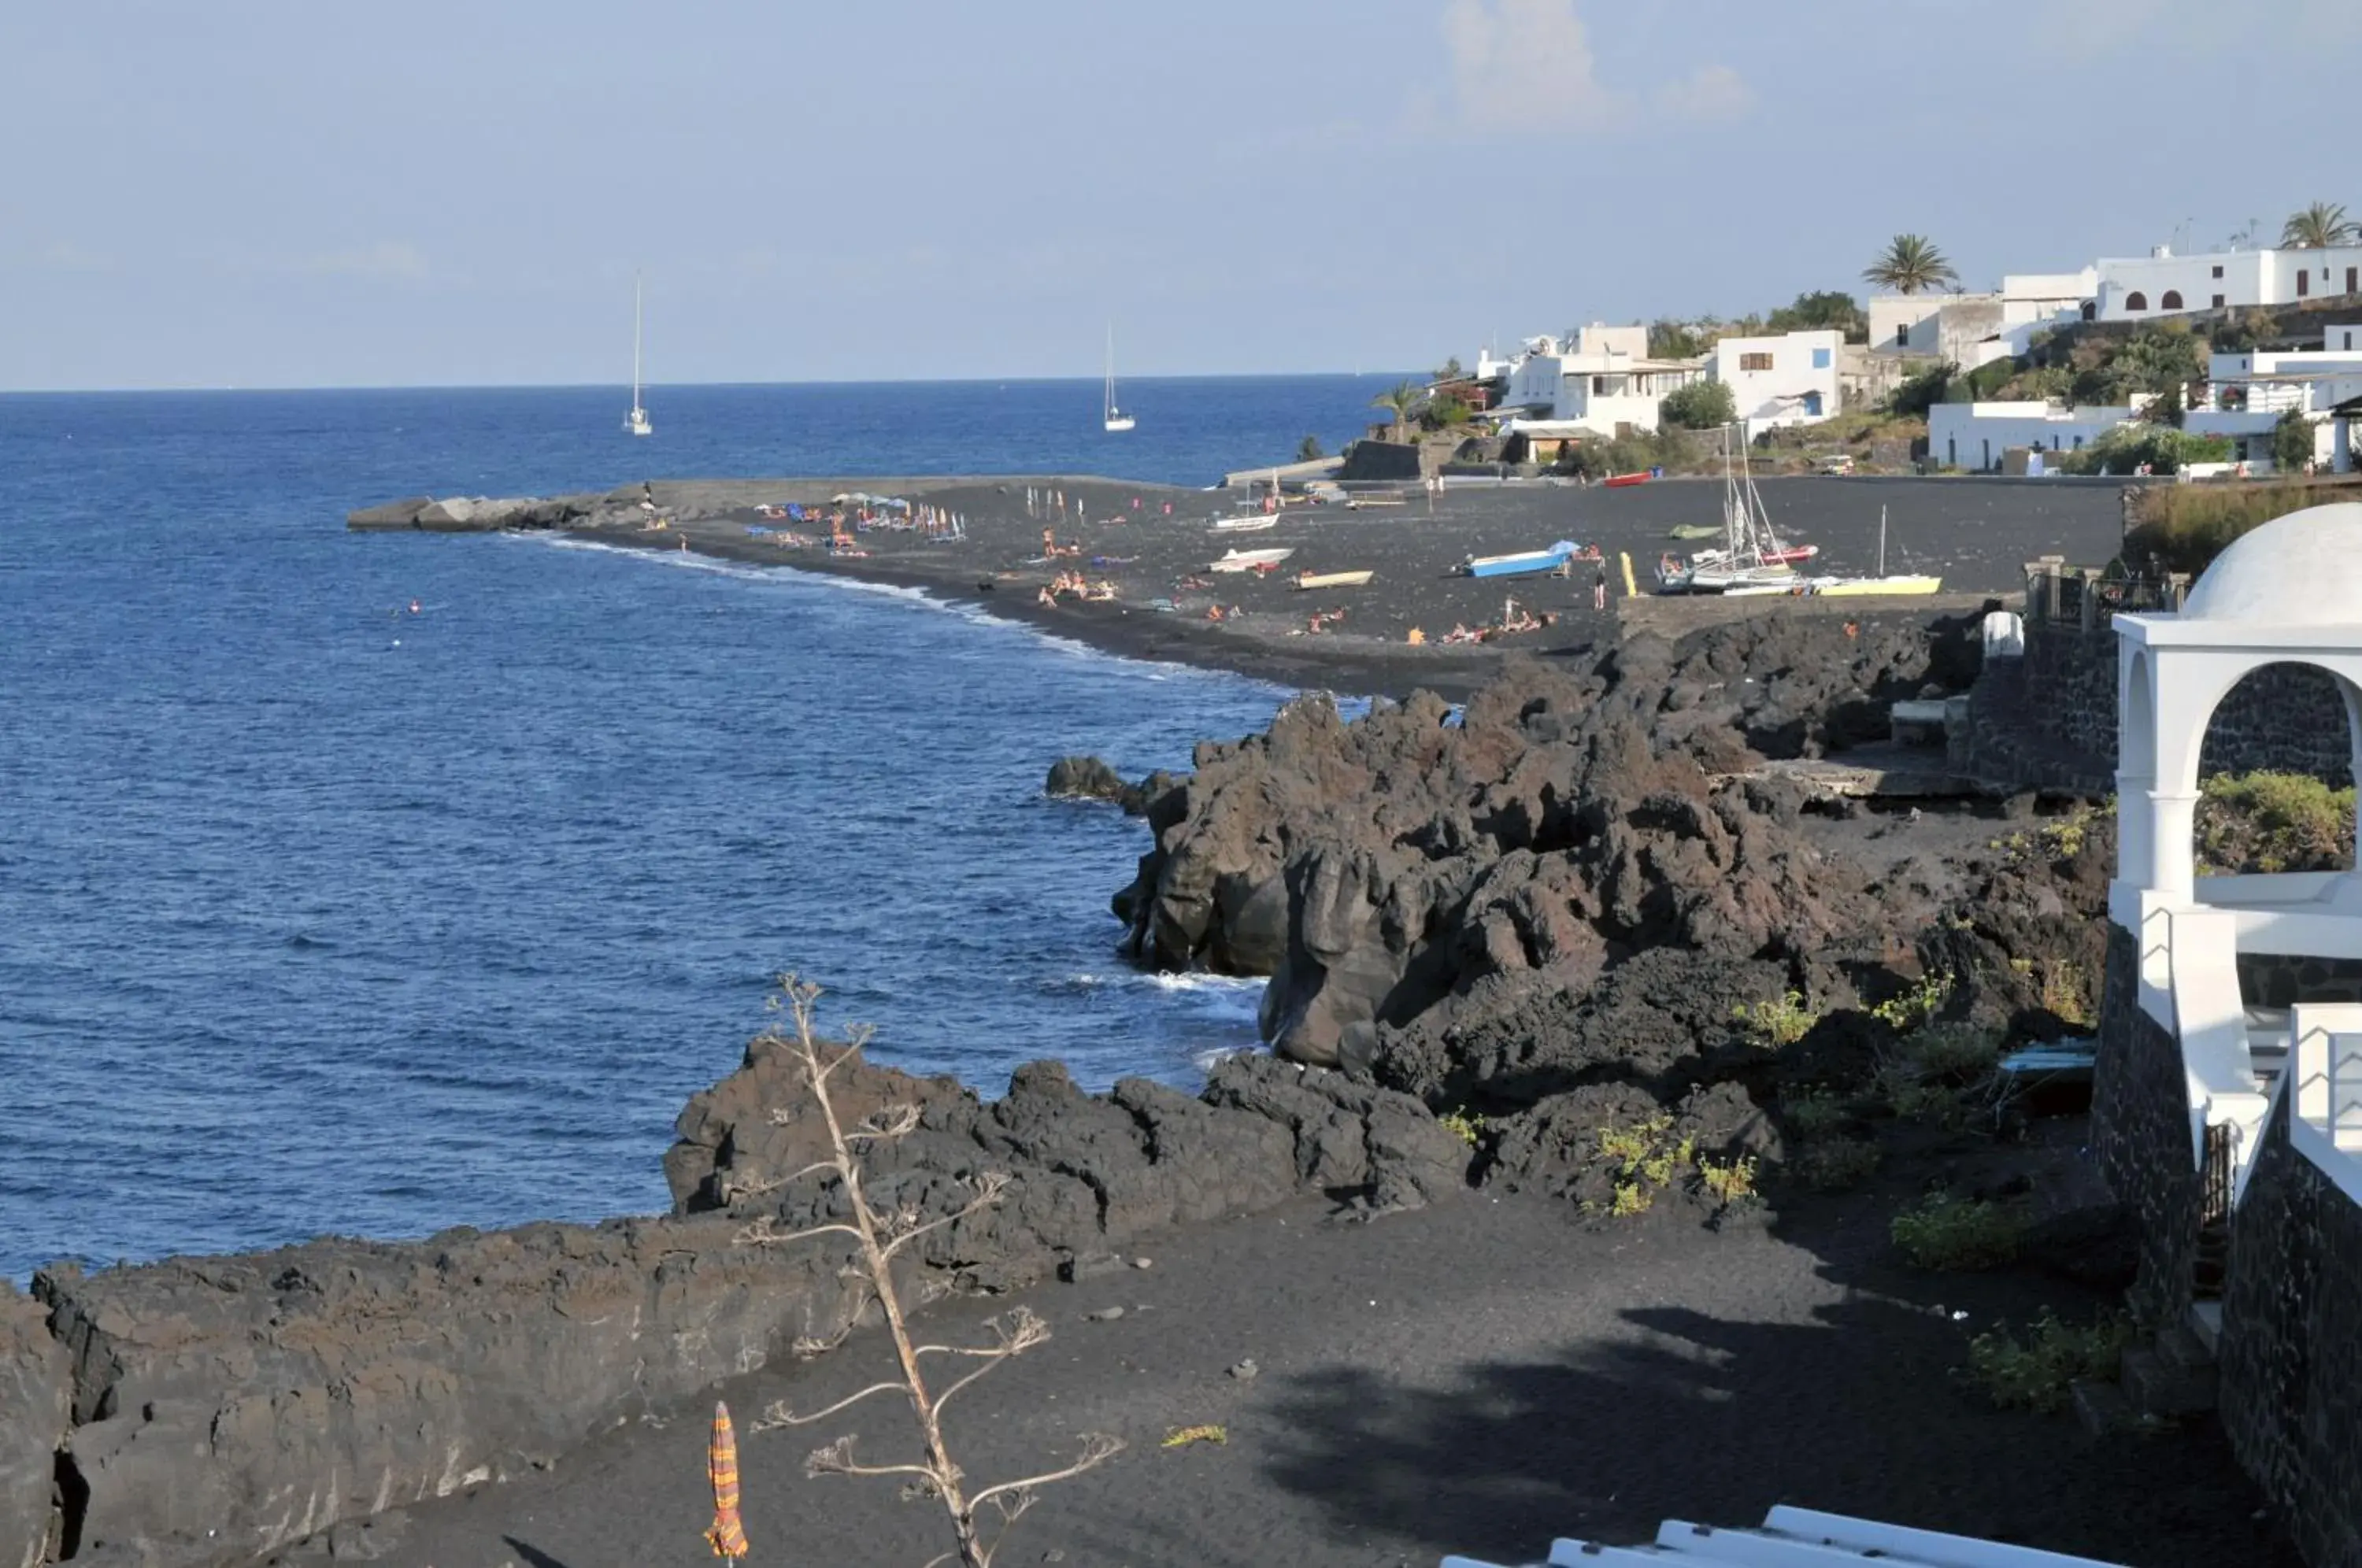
point(1110, 416)
point(1753, 558)
point(637, 422)
point(1900, 582)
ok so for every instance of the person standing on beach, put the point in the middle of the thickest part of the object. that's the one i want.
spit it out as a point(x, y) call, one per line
point(1599, 585)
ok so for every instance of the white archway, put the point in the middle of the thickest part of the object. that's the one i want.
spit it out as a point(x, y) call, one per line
point(2288, 592)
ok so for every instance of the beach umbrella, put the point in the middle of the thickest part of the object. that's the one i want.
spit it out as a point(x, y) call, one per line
point(728, 1537)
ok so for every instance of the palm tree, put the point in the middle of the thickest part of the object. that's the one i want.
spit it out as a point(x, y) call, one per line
point(1910, 265)
point(2318, 227)
point(1398, 400)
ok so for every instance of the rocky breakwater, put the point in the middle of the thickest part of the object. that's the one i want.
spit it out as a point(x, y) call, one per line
point(483, 514)
point(1546, 914)
point(211, 1411)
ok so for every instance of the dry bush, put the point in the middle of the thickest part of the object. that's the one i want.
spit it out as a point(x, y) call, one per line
point(879, 1236)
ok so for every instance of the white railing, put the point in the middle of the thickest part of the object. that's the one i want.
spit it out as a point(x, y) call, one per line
point(2325, 1074)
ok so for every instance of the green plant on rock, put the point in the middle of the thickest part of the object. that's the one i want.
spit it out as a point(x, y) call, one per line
point(1631, 1198)
point(1468, 1126)
point(2066, 993)
point(1730, 1183)
point(1959, 1234)
point(1914, 1007)
point(2036, 1373)
point(1783, 1021)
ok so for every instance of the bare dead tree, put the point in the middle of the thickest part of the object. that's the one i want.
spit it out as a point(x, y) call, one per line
point(879, 1235)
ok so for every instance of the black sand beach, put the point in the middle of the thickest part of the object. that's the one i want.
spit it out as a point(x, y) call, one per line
point(1976, 534)
point(1479, 1377)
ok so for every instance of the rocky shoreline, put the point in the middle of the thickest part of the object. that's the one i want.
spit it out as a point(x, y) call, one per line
point(1580, 944)
point(1490, 938)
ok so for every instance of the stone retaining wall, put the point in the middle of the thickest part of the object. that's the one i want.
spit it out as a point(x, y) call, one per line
point(2140, 1128)
point(2285, 718)
point(2292, 1348)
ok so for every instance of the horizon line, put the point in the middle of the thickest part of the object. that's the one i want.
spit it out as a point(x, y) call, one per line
point(653, 386)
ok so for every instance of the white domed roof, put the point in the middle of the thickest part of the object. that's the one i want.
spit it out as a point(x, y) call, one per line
point(2303, 569)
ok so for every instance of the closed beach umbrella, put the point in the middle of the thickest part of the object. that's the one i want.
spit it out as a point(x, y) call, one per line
point(728, 1537)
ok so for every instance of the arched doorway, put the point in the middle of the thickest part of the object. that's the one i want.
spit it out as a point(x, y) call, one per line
point(2136, 300)
point(2276, 777)
point(2171, 300)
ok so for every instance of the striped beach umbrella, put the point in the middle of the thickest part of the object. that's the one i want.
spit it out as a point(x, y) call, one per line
point(728, 1535)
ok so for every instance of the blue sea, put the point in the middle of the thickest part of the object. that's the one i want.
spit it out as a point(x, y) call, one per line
point(319, 916)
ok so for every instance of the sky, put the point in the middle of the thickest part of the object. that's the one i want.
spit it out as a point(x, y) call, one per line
point(324, 192)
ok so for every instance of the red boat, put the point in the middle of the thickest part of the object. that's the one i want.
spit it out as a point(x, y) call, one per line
point(1791, 555)
point(1615, 482)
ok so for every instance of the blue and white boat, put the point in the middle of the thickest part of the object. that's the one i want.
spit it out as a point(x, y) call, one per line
point(1527, 563)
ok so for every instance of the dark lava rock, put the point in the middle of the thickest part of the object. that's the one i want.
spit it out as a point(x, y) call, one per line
point(36, 1399)
point(1089, 778)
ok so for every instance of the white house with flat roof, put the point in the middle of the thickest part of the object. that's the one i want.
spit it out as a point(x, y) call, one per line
point(1973, 329)
point(2246, 395)
point(2131, 288)
point(1788, 380)
point(1973, 436)
point(1601, 379)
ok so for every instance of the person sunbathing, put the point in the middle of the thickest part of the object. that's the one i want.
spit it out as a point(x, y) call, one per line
point(1046, 597)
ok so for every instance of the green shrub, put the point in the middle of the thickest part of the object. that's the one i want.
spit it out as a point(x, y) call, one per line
point(2272, 823)
point(1958, 1234)
point(1468, 1126)
point(1731, 1183)
point(1783, 1021)
point(1951, 1052)
point(1835, 1164)
point(1701, 405)
point(1916, 1006)
point(2187, 525)
point(1814, 1113)
point(2293, 442)
point(2160, 448)
point(2034, 1373)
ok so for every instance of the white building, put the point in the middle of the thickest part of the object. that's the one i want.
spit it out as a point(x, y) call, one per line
point(1788, 380)
point(1970, 330)
point(1973, 436)
point(2246, 394)
point(2132, 288)
point(1601, 379)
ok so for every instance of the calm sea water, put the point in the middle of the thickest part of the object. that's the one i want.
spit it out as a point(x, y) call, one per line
point(319, 916)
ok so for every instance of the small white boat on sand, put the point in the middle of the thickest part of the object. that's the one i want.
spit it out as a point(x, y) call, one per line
point(1305, 579)
point(1864, 587)
point(1250, 560)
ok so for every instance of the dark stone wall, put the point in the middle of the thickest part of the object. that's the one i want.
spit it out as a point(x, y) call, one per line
point(2285, 718)
point(2272, 980)
point(2292, 1348)
point(2140, 1129)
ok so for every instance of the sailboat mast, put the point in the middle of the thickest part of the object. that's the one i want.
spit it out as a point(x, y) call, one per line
point(636, 342)
point(1881, 541)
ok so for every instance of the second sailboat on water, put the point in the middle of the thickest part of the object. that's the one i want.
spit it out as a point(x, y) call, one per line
point(1112, 417)
point(637, 422)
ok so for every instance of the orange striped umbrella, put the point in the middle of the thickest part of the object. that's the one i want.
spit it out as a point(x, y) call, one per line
point(728, 1535)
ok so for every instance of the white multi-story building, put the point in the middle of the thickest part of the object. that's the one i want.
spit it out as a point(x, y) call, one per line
point(1601, 380)
point(2247, 394)
point(1788, 380)
point(1973, 436)
point(2160, 283)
